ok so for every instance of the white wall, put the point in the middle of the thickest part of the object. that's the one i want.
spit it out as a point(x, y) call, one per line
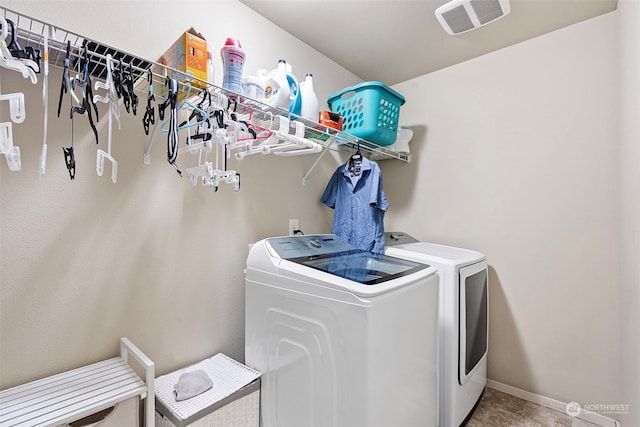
point(83, 263)
point(515, 154)
point(629, 15)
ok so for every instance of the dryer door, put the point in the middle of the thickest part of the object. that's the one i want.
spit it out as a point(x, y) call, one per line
point(473, 324)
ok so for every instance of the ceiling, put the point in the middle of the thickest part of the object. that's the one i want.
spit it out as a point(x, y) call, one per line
point(396, 40)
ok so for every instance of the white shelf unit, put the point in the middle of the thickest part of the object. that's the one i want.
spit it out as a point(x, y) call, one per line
point(75, 394)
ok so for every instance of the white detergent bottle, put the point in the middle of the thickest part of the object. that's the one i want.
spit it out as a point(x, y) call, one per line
point(276, 87)
point(310, 108)
point(232, 61)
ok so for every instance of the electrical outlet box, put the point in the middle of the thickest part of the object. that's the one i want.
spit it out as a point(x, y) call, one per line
point(293, 225)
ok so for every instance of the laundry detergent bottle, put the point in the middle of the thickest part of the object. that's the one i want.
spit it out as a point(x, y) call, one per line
point(232, 61)
point(310, 107)
point(276, 87)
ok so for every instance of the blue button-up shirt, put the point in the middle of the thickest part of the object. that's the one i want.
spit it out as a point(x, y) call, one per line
point(360, 204)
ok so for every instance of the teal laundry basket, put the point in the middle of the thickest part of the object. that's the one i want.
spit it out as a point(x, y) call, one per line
point(369, 110)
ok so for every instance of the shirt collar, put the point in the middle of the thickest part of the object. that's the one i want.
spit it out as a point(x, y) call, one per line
point(366, 165)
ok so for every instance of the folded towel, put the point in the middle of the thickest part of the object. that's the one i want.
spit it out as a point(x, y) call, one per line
point(191, 384)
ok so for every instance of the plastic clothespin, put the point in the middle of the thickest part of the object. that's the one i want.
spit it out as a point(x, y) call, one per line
point(13, 159)
point(70, 161)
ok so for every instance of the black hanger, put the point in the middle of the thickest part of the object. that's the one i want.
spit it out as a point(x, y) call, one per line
point(87, 100)
point(128, 92)
point(355, 163)
point(65, 77)
point(172, 135)
point(150, 113)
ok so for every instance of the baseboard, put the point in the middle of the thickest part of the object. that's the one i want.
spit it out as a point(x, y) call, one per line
point(592, 417)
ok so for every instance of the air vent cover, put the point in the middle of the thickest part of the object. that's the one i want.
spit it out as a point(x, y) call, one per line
point(459, 16)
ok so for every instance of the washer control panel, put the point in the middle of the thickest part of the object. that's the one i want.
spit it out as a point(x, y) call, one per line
point(299, 246)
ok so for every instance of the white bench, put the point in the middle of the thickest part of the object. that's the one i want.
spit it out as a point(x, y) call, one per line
point(75, 394)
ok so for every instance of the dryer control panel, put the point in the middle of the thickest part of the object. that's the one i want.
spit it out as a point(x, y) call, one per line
point(398, 238)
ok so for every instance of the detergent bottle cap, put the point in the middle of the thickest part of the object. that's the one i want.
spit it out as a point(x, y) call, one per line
point(233, 42)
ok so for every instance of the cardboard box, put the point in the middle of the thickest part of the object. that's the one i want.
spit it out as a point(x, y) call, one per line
point(189, 56)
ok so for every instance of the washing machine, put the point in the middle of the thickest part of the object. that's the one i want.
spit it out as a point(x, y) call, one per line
point(463, 319)
point(343, 337)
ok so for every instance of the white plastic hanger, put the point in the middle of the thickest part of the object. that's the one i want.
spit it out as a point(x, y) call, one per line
point(114, 111)
point(6, 137)
point(45, 99)
point(300, 145)
point(11, 152)
point(17, 110)
point(8, 61)
point(290, 145)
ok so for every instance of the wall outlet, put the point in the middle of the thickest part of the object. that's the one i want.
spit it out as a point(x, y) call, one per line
point(293, 225)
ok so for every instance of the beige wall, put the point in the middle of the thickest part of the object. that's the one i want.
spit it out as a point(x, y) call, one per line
point(515, 154)
point(629, 14)
point(152, 258)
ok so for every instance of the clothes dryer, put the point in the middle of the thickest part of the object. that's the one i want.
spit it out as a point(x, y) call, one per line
point(343, 337)
point(463, 321)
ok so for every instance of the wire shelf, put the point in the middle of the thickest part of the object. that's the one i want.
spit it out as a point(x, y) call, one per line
point(31, 33)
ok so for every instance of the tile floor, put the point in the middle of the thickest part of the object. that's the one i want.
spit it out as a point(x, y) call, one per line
point(498, 409)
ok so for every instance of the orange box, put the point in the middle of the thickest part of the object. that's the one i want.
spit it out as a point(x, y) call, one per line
point(330, 119)
point(189, 56)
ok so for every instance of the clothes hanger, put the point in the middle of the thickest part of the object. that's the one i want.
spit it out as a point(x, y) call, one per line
point(6, 58)
point(64, 87)
point(300, 145)
point(6, 137)
point(146, 158)
point(83, 81)
point(149, 114)
point(284, 144)
point(17, 109)
point(355, 162)
point(10, 151)
point(172, 134)
point(130, 98)
point(185, 105)
point(114, 111)
point(48, 30)
point(29, 56)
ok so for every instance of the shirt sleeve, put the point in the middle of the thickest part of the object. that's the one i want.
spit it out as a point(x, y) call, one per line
point(377, 198)
point(329, 195)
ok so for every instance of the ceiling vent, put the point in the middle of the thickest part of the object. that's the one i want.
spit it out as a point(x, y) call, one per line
point(459, 16)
